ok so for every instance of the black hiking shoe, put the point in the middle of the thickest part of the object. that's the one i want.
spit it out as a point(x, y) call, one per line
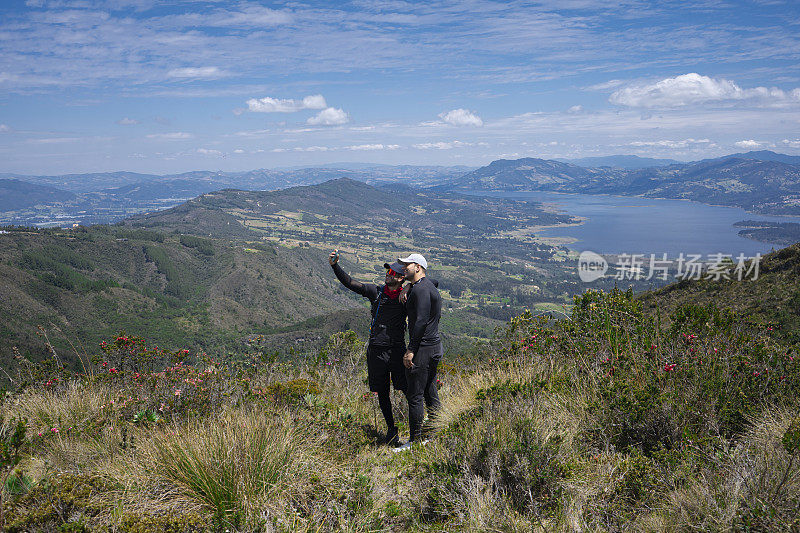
point(393, 437)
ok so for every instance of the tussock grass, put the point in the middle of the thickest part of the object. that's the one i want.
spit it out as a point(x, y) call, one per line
point(237, 463)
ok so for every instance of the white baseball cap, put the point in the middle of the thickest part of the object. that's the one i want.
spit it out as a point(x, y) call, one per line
point(414, 258)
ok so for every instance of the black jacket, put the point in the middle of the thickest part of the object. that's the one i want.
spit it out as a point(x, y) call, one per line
point(388, 325)
point(424, 307)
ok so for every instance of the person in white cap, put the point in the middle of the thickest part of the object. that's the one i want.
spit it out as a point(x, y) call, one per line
point(424, 307)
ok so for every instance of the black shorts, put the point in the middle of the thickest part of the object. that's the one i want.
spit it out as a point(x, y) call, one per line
point(385, 363)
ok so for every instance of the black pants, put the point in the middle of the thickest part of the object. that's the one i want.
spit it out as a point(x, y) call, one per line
point(422, 390)
point(385, 366)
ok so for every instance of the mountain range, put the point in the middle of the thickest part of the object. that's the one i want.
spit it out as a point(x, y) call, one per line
point(620, 161)
point(760, 182)
point(16, 194)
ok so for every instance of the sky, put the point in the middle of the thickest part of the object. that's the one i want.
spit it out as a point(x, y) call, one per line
point(167, 86)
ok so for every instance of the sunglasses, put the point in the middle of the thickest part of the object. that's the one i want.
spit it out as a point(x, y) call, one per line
point(395, 274)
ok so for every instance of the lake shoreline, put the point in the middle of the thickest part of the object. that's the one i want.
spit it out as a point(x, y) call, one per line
point(613, 224)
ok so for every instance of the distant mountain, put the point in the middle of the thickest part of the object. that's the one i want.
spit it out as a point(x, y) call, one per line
point(523, 174)
point(755, 185)
point(348, 203)
point(760, 181)
point(766, 155)
point(79, 183)
point(621, 161)
point(259, 179)
point(160, 189)
point(16, 194)
point(388, 169)
point(110, 197)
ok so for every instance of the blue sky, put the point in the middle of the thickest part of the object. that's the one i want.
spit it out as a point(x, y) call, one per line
point(172, 86)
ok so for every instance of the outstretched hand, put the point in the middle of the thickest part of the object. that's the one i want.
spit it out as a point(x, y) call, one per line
point(334, 257)
point(408, 359)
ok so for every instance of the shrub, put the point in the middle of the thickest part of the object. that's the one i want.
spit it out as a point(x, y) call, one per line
point(204, 246)
point(291, 392)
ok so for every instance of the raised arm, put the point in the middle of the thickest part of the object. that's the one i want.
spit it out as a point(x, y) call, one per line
point(367, 290)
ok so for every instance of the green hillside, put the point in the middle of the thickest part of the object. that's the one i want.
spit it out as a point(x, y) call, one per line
point(770, 301)
point(86, 285)
point(74, 288)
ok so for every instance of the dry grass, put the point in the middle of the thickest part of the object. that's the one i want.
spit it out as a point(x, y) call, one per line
point(758, 473)
point(240, 464)
point(75, 406)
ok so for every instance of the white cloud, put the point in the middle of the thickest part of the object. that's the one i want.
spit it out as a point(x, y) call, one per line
point(685, 143)
point(461, 117)
point(750, 144)
point(441, 145)
point(314, 101)
point(55, 140)
point(4, 128)
point(693, 88)
point(175, 136)
point(285, 105)
point(791, 144)
point(574, 110)
point(238, 151)
point(368, 147)
point(195, 72)
point(311, 149)
point(248, 16)
point(301, 149)
point(610, 84)
point(127, 121)
point(206, 151)
point(330, 116)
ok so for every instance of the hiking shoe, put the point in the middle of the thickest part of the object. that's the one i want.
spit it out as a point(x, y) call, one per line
point(410, 444)
point(402, 448)
point(393, 437)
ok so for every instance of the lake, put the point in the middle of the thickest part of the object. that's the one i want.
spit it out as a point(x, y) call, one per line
point(625, 224)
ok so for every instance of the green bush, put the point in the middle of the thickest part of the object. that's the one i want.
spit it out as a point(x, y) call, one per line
point(290, 392)
point(204, 246)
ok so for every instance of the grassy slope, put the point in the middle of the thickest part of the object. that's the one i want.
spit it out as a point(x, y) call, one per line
point(603, 422)
point(771, 299)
